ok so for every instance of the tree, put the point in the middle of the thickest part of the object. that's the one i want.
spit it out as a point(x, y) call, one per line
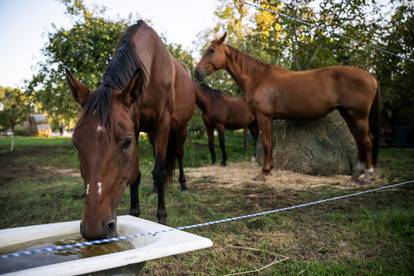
point(396, 74)
point(85, 49)
point(14, 109)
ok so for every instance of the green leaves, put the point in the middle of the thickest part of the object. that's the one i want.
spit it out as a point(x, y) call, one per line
point(85, 49)
point(15, 108)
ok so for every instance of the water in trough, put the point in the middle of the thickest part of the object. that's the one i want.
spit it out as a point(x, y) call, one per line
point(26, 262)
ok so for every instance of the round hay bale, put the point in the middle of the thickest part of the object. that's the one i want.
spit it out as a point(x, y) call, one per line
point(319, 147)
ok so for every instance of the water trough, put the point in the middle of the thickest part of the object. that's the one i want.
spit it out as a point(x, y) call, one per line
point(123, 257)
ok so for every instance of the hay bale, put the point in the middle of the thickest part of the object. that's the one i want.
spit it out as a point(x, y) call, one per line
point(318, 147)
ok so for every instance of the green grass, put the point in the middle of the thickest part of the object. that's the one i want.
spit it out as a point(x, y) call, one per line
point(367, 235)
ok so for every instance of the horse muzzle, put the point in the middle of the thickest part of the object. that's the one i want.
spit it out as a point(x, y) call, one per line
point(199, 75)
point(94, 232)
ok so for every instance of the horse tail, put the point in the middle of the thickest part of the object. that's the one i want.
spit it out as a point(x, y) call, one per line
point(171, 156)
point(245, 141)
point(374, 124)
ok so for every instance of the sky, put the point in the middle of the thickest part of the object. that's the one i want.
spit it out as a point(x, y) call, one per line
point(24, 25)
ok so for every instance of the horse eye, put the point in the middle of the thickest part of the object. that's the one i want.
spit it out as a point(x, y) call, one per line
point(211, 51)
point(125, 144)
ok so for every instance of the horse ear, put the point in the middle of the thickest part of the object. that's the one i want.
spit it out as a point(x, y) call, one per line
point(134, 88)
point(221, 39)
point(79, 91)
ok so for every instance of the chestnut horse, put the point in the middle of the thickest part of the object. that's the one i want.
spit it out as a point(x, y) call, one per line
point(273, 92)
point(222, 112)
point(143, 88)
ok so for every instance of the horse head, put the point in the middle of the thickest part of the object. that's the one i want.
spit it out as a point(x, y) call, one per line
point(105, 139)
point(213, 59)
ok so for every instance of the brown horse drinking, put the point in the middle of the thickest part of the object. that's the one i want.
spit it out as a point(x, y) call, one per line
point(274, 92)
point(143, 88)
point(222, 112)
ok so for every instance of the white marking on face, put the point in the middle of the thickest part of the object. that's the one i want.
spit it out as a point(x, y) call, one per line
point(99, 185)
point(87, 189)
point(99, 128)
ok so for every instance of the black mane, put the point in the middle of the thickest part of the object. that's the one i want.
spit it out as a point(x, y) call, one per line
point(118, 73)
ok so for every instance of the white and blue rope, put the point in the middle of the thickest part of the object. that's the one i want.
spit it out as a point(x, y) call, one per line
point(137, 235)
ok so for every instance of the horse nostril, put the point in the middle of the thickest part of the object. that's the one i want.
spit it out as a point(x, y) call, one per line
point(111, 226)
point(197, 75)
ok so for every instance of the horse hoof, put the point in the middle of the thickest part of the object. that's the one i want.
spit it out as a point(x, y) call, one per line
point(260, 178)
point(223, 164)
point(162, 221)
point(362, 179)
point(183, 188)
point(135, 212)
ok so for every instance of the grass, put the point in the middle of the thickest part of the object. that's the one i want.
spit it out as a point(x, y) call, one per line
point(368, 235)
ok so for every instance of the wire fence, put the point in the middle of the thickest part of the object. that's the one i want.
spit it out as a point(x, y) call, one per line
point(51, 249)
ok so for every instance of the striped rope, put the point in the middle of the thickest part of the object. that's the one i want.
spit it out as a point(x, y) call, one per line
point(231, 219)
point(331, 32)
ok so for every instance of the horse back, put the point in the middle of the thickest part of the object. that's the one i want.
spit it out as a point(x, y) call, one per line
point(311, 94)
point(184, 95)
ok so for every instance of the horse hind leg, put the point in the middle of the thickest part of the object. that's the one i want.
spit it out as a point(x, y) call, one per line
point(351, 122)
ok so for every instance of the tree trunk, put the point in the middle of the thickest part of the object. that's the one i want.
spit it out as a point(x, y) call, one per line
point(12, 138)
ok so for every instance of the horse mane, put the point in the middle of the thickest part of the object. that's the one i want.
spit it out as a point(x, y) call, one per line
point(247, 63)
point(121, 68)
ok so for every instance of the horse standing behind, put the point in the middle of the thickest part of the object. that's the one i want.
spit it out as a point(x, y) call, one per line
point(143, 88)
point(222, 112)
point(274, 92)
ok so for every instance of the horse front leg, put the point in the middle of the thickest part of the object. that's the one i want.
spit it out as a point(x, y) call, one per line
point(254, 131)
point(265, 127)
point(181, 137)
point(134, 187)
point(159, 173)
point(220, 130)
point(134, 197)
point(210, 135)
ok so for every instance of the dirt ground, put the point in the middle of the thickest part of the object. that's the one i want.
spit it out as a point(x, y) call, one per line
point(239, 175)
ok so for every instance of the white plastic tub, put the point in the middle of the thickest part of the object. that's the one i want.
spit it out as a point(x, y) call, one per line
point(140, 249)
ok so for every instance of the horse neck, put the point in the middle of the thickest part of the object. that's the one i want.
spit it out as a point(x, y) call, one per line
point(202, 100)
point(243, 68)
